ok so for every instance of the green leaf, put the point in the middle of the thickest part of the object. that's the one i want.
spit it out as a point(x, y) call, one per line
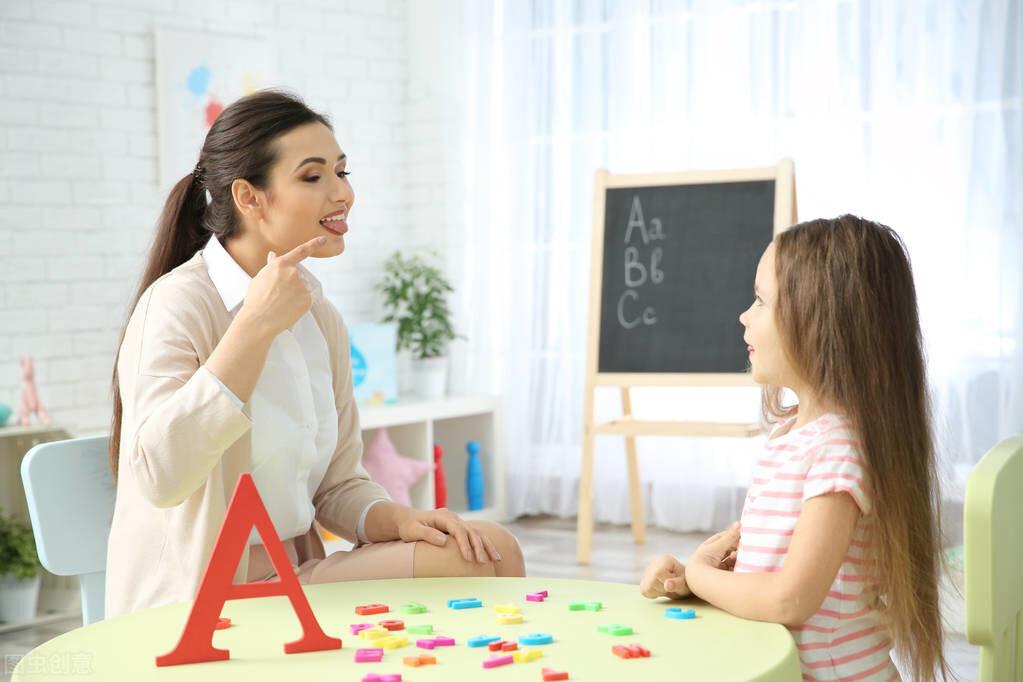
point(415, 295)
point(17, 549)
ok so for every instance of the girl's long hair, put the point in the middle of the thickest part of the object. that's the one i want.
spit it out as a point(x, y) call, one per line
point(241, 143)
point(847, 315)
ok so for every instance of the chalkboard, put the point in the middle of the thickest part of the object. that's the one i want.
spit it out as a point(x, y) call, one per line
point(678, 266)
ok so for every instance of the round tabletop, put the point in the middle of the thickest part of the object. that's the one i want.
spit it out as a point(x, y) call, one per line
point(712, 646)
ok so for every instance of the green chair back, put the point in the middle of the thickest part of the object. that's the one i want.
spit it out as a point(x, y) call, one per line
point(993, 540)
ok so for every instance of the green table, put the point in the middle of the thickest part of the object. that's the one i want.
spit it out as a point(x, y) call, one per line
point(714, 646)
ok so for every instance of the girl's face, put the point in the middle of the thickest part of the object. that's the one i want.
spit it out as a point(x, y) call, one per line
point(767, 359)
point(309, 194)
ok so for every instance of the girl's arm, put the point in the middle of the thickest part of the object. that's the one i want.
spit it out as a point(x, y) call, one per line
point(790, 596)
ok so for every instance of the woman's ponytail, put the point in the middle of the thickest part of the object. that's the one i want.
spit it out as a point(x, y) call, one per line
point(179, 235)
point(179, 232)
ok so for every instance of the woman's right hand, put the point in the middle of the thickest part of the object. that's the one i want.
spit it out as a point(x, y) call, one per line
point(664, 577)
point(279, 295)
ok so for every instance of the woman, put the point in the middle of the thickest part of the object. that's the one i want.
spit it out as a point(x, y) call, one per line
point(233, 361)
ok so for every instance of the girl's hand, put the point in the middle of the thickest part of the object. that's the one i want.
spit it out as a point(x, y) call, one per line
point(279, 295)
point(664, 577)
point(719, 551)
point(435, 527)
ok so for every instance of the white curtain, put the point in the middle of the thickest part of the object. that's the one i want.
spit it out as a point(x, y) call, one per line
point(908, 113)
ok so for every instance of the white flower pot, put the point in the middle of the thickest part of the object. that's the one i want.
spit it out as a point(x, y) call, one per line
point(18, 598)
point(430, 377)
point(406, 383)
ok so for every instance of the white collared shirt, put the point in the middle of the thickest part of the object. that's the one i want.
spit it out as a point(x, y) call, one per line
point(294, 418)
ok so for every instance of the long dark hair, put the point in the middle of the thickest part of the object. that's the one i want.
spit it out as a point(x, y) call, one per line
point(240, 144)
point(847, 315)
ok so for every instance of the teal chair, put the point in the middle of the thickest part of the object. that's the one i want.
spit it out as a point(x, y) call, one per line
point(70, 496)
point(993, 540)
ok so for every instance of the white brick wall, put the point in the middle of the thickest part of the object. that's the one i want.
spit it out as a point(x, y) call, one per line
point(434, 154)
point(78, 166)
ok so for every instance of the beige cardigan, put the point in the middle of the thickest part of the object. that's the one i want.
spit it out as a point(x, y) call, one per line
point(184, 443)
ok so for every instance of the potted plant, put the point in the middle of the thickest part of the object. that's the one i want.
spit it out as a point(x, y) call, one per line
point(416, 298)
point(19, 571)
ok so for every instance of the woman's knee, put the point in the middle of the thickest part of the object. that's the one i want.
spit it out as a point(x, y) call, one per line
point(431, 561)
point(512, 562)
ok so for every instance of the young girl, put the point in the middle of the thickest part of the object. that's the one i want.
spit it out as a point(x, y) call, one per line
point(839, 536)
point(234, 361)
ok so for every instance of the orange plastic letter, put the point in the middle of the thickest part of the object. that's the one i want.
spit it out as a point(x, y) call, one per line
point(245, 511)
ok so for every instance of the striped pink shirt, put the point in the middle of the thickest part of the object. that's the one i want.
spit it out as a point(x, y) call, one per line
point(846, 639)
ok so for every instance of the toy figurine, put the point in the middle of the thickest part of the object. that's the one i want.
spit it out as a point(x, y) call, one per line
point(474, 477)
point(440, 484)
point(30, 403)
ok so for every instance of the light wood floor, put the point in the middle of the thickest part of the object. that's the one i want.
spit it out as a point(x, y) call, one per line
point(549, 547)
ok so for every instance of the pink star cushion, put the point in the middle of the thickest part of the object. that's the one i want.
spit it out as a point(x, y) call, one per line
point(396, 473)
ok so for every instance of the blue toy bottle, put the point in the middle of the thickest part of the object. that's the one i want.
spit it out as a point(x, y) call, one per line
point(474, 477)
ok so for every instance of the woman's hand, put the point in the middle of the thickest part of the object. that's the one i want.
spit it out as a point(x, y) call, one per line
point(435, 527)
point(279, 294)
point(276, 298)
point(664, 577)
point(719, 551)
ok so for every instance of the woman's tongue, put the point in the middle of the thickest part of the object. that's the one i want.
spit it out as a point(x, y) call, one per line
point(335, 226)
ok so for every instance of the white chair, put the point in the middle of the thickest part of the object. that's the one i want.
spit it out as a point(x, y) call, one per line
point(70, 496)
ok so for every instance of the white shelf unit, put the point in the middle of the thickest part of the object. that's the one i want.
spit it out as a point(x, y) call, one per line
point(58, 595)
point(415, 425)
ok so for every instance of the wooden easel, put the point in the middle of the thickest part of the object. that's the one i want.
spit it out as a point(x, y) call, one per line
point(628, 426)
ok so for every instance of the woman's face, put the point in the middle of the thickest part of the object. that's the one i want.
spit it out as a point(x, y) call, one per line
point(309, 194)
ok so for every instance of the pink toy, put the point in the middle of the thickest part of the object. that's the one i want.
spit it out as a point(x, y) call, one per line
point(371, 655)
point(374, 677)
point(435, 642)
point(30, 404)
point(496, 661)
point(396, 473)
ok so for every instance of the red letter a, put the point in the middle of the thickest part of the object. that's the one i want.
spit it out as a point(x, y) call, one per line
point(246, 510)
